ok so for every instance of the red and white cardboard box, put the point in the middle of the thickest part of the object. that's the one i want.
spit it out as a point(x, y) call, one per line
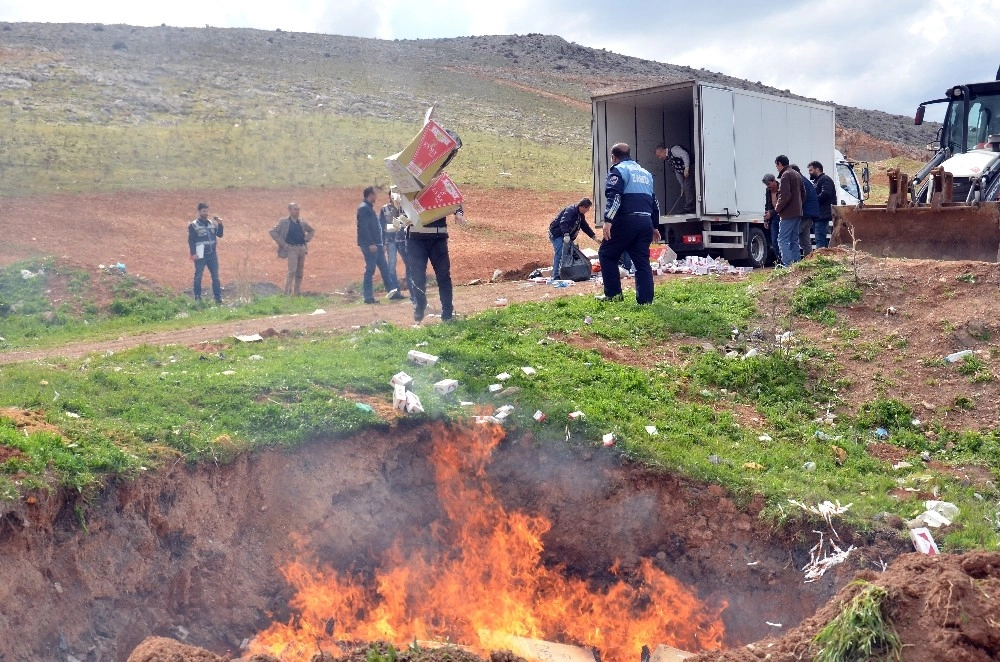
point(576, 416)
point(923, 541)
point(413, 168)
point(438, 199)
point(539, 416)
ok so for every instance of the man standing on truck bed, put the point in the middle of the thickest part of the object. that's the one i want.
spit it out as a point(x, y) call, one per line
point(789, 208)
point(630, 220)
point(680, 161)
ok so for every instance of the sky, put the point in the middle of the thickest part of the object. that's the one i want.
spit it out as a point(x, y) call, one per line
point(881, 54)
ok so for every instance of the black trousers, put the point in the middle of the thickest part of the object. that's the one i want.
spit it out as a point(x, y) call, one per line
point(629, 234)
point(433, 248)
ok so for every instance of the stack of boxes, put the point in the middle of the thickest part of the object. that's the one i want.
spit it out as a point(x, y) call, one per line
point(418, 172)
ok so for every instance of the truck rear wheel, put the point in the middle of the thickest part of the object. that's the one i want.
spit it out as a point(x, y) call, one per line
point(758, 248)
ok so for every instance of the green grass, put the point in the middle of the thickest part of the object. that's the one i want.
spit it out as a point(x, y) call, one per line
point(861, 631)
point(328, 150)
point(211, 407)
point(826, 282)
point(29, 319)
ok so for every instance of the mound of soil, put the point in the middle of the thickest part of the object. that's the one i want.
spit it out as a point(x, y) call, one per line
point(942, 607)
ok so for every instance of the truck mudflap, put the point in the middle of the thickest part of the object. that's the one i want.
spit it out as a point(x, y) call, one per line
point(948, 232)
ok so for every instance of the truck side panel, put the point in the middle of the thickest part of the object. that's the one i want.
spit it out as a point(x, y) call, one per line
point(718, 152)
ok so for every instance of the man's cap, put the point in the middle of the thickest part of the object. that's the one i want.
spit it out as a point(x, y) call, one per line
point(202, 205)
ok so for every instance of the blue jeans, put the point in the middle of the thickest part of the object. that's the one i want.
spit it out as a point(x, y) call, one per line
point(775, 225)
point(390, 252)
point(212, 262)
point(632, 235)
point(557, 247)
point(372, 260)
point(788, 240)
point(821, 227)
point(403, 253)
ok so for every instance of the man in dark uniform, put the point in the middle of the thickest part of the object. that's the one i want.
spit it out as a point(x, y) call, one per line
point(202, 234)
point(631, 217)
point(370, 242)
point(430, 243)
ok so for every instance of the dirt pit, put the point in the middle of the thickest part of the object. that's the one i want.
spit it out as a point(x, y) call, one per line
point(464, 533)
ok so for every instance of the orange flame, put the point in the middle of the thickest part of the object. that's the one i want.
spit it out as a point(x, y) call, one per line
point(484, 583)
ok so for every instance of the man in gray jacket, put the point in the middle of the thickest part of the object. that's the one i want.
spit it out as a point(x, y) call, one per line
point(789, 207)
point(293, 234)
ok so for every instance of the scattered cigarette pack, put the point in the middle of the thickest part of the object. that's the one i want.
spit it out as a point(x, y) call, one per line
point(923, 541)
point(421, 358)
point(495, 388)
point(528, 370)
point(399, 397)
point(576, 416)
point(609, 439)
point(402, 378)
point(539, 416)
point(503, 376)
point(446, 386)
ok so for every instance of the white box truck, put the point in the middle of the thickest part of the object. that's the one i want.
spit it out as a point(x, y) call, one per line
point(733, 136)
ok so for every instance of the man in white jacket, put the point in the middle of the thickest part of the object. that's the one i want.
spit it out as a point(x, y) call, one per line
point(683, 166)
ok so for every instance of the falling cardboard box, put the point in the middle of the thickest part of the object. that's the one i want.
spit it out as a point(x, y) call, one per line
point(439, 199)
point(413, 168)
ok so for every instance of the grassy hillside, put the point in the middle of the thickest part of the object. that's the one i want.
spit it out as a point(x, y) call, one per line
point(94, 107)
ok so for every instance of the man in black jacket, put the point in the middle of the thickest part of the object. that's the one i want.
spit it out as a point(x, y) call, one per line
point(826, 191)
point(370, 243)
point(565, 227)
point(202, 233)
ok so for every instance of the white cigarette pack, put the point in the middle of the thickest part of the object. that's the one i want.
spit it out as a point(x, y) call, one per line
point(446, 386)
point(402, 378)
point(421, 358)
point(923, 541)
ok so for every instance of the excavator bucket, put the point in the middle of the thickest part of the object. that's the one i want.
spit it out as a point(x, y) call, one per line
point(946, 231)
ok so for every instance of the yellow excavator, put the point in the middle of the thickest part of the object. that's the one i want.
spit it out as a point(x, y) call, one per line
point(949, 210)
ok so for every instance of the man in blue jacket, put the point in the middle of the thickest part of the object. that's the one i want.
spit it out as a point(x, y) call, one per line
point(810, 214)
point(631, 217)
point(370, 243)
point(565, 227)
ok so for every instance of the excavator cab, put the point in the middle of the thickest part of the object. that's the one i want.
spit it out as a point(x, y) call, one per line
point(949, 209)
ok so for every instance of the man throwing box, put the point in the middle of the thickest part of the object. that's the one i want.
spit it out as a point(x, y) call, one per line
point(680, 161)
point(630, 221)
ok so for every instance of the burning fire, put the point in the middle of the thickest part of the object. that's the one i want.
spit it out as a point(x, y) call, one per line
point(483, 582)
